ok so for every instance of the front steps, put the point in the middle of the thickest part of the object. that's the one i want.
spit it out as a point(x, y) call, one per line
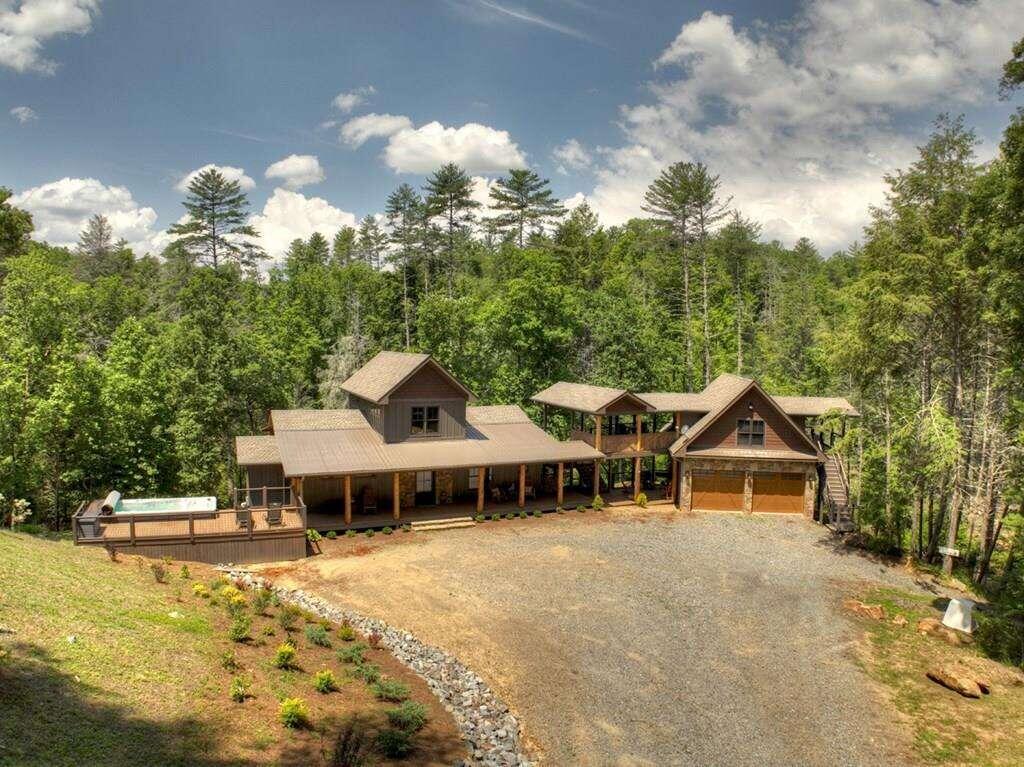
point(453, 523)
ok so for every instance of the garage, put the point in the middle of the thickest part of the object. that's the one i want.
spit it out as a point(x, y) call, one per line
point(778, 493)
point(717, 491)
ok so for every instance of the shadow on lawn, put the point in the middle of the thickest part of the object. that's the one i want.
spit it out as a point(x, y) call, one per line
point(49, 718)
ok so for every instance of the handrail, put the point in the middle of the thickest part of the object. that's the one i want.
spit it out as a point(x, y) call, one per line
point(263, 497)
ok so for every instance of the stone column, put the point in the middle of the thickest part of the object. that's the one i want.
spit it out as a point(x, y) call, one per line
point(809, 493)
point(748, 492)
point(685, 496)
point(444, 486)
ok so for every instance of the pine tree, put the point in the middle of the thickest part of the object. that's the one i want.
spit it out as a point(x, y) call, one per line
point(525, 201)
point(216, 229)
point(404, 210)
point(708, 210)
point(98, 254)
point(318, 252)
point(371, 242)
point(344, 246)
point(449, 195)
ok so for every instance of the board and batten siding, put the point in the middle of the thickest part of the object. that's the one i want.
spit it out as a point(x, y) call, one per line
point(265, 476)
point(779, 434)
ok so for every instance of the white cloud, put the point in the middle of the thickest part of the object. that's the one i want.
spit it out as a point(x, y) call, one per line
point(245, 183)
point(61, 209)
point(346, 102)
point(297, 170)
point(571, 203)
point(571, 156)
point(359, 130)
point(477, 148)
point(287, 215)
point(24, 114)
point(26, 25)
point(802, 119)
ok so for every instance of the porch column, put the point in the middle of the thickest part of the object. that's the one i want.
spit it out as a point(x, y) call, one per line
point(348, 499)
point(597, 432)
point(748, 492)
point(674, 484)
point(481, 477)
point(597, 477)
point(809, 493)
point(559, 483)
point(638, 421)
point(637, 484)
point(522, 485)
point(396, 496)
point(685, 490)
point(678, 420)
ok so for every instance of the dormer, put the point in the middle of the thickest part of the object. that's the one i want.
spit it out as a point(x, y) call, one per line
point(408, 397)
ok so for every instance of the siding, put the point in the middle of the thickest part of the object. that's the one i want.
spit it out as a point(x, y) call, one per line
point(428, 383)
point(397, 417)
point(277, 549)
point(778, 433)
point(371, 412)
point(265, 476)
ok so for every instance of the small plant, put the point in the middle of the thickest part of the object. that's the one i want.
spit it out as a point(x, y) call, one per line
point(240, 627)
point(112, 553)
point(409, 717)
point(354, 653)
point(239, 689)
point(537, 513)
point(580, 508)
point(313, 536)
point(268, 631)
point(350, 533)
point(479, 518)
point(159, 571)
point(288, 617)
point(351, 745)
point(166, 560)
point(184, 574)
point(407, 528)
point(394, 744)
point(200, 590)
point(346, 633)
point(284, 658)
point(293, 713)
point(216, 584)
point(374, 640)
point(368, 672)
point(598, 503)
point(260, 600)
point(641, 500)
point(495, 517)
point(391, 690)
point(523, 514)
point(317, 635)
point(324, 681)
point(387, 531)
point(510, 515)
point(369, 533)
point(228, 660)
point(559, 510)
point(331, 535)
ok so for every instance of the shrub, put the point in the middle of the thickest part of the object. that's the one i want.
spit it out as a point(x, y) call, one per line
point(346, 633)
point(369, 533)
point(293, 713)
point(580, 508)
point(510, 515)
point(391, 690)
point(240, 626)
point(200, 590)
point(324, 681)
point(495, 517)
point(239, 690)
point(285, 656)
point(368, 672)
point(374, 640)
point(159, 571)
point(268, 631)
point(313, 536)
point(354, 653)
point(288, 617)
point(387, 531)
point(641, 500)
point(331, 535)
point(260, 600)
point(538, 513)
point(479, 518)
point(409, 717)
point(228, 660)
point(394, 744)
point(523, 514)
point(350, 533)
point(317, 635)
point(216, 584)
point(598, 503)
point(184, 574)
point(351, 745)
point(559, 510)
point(407, 528)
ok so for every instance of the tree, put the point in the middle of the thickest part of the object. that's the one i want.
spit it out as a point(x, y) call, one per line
point(371, 242)
point(15, 227)
point(404, 211)
point(738, 246)
point(525, 201)
point(216, 229)
point(344, 246)
point(98, 254)
point(449, 195)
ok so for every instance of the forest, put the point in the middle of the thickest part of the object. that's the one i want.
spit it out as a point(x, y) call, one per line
point(136, 371)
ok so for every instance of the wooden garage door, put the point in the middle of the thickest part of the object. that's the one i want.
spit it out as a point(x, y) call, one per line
point(718, 491)
point(782, 493)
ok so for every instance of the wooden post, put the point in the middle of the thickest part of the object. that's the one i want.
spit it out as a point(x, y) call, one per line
point(481, 475)
point(545, 417)
point(264, 497)
point(674, 487)
point(522, 485)
point(597, 432)
point(191, 529)
point(678, 420)
point(396, 497)
point(638, 421)
point(597, 477)
point(131, 528)
point(348, 499)
point(636, 477)
point(559, 483)
point(251, 524)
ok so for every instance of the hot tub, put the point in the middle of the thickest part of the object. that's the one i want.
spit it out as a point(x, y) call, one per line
point(193, 504)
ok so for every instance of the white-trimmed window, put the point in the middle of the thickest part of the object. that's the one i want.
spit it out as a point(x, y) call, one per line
point(474, 479)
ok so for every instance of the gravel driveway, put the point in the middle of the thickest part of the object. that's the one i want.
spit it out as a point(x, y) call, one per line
point(636, 637)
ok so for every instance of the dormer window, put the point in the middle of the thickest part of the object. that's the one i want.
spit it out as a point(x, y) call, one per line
point(750, 432)
point(425, 420)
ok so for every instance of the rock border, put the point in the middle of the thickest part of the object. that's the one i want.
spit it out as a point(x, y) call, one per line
point(486, 723)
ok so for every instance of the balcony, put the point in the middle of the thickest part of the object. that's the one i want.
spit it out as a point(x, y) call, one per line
point(658, 442)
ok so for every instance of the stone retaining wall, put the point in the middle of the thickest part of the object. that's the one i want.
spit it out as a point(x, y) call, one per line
point(490, 730)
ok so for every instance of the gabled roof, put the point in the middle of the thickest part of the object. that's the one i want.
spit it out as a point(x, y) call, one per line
point(724, 392)
point(671, 402)
point(587, 398)
point(257, 451)
point(379, 377)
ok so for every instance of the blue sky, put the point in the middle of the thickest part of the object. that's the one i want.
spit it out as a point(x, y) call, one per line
point(108, 104)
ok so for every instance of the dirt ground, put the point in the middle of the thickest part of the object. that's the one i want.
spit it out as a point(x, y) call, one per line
point(639, 637)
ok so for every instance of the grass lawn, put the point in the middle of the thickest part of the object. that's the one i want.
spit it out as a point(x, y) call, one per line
point(101, 664)
point(946, 728)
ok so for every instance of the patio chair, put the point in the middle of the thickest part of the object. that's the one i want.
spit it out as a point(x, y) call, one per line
point(496, 495)
point(242, 519)
point(274, 516)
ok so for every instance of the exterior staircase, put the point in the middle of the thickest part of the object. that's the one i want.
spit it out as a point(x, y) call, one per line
point(837, 495)
point(451, 523)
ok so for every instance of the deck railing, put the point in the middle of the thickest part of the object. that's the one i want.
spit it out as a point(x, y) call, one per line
point(263, 497)
point(615, 443)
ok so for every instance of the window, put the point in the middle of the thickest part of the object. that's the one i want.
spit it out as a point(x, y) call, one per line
point(750, 432)
point(474, 479)
point(424, 481)
point(425, 420)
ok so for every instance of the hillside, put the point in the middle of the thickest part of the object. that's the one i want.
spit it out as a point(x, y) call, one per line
point(102, 664)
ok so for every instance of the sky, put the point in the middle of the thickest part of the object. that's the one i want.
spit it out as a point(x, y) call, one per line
point(321, 109)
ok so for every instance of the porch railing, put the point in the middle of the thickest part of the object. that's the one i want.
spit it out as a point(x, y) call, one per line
point(616, 443)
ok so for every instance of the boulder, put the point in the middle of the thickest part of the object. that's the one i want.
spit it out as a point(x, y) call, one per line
point(960, 680)
point(933, 627)
point(875, 612)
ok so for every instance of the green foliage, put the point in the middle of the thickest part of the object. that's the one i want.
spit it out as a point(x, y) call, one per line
point(288, 617)
point(346, 633)
point(184, 573)
point(580, 508)
point(641, 500)
point(350, 533)
point(293, 713)
point(313, 536)
point(229, 661)
point(495, 517)
point(324, 681)
point(284, 656)
point(241, 625)
point(387, 531)
point(260, 600)
point(239, 689)
point(394, 744)
point(159, 571)
point(598, 503)
point(408, 717)
point(354, 653)
point(369, 533)
point(523, 514)
point(331, 535)
point(391, 690)
point(479, 518)
point(537, 513)
point(368, 672)
point(317, 635)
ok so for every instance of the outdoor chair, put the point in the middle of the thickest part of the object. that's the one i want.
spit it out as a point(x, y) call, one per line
point(496, 494)
point(242, 519)
point(273, 517)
